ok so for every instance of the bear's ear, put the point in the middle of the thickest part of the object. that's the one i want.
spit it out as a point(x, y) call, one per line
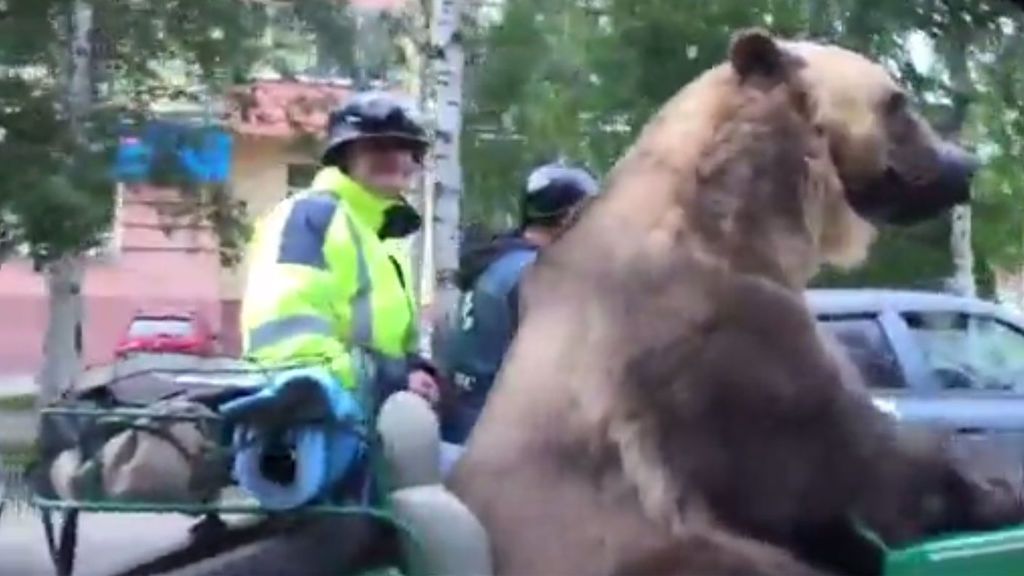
point(754, 53)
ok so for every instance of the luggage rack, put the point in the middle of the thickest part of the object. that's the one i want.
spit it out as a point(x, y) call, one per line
point(211, 535)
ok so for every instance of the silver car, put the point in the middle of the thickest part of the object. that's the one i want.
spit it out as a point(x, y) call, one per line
point(936, 359)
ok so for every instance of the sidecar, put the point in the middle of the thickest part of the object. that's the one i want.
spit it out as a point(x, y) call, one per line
point(997, 553)
point(398, 519)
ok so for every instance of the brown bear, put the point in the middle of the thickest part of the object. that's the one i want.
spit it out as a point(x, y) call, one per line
point(668, 405)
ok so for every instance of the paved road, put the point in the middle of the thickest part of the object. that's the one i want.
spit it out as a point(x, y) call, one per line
point(17, 428)
point(107, 543)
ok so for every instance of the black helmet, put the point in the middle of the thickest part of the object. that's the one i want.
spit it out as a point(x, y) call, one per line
point(552, 190)
point(374, 114)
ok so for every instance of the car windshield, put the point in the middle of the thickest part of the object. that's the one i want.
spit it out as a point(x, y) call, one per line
point(968, 351)
point(163, 326)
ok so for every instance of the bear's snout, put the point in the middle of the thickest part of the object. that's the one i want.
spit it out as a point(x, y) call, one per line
point(895, 199)
point(956, 169)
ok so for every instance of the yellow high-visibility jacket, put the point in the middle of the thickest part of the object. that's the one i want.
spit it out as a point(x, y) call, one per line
point(322, 282)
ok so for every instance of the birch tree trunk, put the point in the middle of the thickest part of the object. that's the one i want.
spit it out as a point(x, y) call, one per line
point(411, 42)
point(448, 60)
point(964, 282)
point(960, 246)
point(62, 347)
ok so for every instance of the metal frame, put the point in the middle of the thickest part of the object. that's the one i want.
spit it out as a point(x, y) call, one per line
point(62, 535)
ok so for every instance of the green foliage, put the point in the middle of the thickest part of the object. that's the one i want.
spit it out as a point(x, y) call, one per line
point(901, 257)
point(581, 77)
point(18, 403)
point(56, 193)
point(493, 147)
point(54, 190)
point(996, 124)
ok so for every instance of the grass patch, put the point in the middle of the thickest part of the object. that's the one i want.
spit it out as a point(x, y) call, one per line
point(18, 403)
point(15, 493)
point(17, 455)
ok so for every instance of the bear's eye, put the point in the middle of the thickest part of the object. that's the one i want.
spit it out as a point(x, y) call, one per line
point(896, 103)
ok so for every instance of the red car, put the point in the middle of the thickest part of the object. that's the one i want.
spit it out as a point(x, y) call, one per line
point(177, 333)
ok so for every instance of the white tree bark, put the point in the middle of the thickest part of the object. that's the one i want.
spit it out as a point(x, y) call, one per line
point(63, 340)
point(62, 347)
point(964, 282)
point(961, 248)
point(448, 59)
point(411, 42)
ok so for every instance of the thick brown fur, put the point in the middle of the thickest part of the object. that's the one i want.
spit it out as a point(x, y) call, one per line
point(668, 406)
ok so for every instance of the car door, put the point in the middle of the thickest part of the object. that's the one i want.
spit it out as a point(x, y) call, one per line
point(868, 344)
point(976, 365)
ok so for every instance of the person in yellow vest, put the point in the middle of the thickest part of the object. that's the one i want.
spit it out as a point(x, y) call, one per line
point(328, 281)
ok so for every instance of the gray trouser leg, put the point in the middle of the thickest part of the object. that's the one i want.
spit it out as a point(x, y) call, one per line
point(453, 541)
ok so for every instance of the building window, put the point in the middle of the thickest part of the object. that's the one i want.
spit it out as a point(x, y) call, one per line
point(300, 177)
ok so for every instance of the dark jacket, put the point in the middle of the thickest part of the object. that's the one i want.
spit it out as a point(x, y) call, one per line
point(486, 321)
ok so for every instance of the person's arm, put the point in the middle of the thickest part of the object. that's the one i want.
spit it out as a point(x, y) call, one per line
point(424, 376)
point(300, 289)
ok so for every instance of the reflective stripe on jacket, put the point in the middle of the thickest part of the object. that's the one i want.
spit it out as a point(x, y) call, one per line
point(321, 281)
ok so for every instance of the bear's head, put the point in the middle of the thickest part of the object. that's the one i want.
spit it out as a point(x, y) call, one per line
point(884, 164)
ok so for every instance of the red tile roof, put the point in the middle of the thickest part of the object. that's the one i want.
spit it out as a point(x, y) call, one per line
point(279, 109)
point(283, 108)
point(378, 4)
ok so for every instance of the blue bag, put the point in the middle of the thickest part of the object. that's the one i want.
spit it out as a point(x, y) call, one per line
point(306, 417)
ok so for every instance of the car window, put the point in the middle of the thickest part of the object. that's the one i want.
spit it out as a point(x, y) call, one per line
point(966, 351)
point(144, 327)
point(866, 344)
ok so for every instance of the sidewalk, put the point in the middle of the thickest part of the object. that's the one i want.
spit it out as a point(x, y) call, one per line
point(108, 543)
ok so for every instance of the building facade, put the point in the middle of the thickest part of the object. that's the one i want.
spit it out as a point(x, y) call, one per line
point(152, 263)
point(155, 262)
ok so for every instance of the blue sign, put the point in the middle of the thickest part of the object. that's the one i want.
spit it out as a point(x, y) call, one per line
point(132, 162)
point(203, 155)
